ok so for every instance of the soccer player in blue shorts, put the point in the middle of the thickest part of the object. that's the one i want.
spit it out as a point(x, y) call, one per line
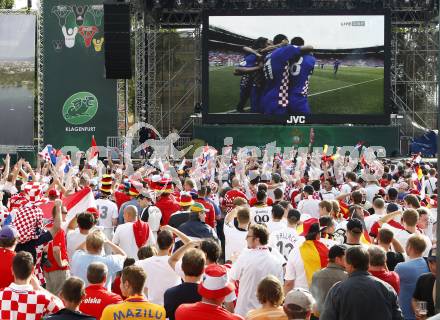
point(250, 83)
point(300, 71)
point(336, 66)
point(274, 100)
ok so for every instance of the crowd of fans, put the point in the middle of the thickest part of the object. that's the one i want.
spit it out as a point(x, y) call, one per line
point(255, 247)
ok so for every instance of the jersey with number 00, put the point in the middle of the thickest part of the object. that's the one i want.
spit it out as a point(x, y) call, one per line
point(300, 73)
point(261, 214)
point(108, 210)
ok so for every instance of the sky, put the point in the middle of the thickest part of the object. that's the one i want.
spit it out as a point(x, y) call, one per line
point(20, 4)
point(322, 32)
point(17, 36)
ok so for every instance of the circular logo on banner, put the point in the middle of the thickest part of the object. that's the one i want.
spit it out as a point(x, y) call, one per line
point(80, 108)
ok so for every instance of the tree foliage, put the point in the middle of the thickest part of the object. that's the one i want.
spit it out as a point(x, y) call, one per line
point(6, 4)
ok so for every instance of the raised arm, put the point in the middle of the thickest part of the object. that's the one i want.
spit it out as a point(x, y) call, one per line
point(177, 256)
point(183, 237)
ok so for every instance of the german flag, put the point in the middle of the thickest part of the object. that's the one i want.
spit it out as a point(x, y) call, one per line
point(419, 173)
point(365, 237)
point(343, 208)
point(314, 255)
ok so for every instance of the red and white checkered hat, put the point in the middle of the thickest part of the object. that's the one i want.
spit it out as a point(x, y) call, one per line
point(33, 191)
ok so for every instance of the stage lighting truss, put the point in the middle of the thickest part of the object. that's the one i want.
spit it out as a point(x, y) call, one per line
point(414, 46)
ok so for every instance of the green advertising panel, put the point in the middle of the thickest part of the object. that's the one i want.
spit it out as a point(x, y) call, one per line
point(78, 101)
point(298, 136)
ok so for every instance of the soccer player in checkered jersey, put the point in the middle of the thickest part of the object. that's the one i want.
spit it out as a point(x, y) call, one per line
point(25, 299)
point(276, 71)
point(252, 80)
point(300, 71)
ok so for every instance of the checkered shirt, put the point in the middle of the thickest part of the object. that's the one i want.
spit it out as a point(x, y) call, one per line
point(283, 96)
point(38, 271)
point(21, 302)
point(17, 201)
point(32, 191)
point(27, 221)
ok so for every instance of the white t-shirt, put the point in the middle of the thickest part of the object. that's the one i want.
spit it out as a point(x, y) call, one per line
point(274, 226)
point(250, 268)
point(348, 187)
point(261, 214)
point(108, 210)
point(281, 186)
point(235, 240)
point(402, 236)
point(309, 206)
point(371, 190)
point(295, 269)
point(370, 220)
point(329, 195)
point(73, 240)
point(154, 217)
point(431, 185)
point(284, 240)
point(160, 277)
point(124, 237)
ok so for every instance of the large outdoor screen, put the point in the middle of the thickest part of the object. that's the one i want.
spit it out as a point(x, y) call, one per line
point(267, 67)
point(17, 78)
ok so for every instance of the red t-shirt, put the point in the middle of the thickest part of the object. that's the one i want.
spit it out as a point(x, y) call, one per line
point(58, 241)
point(390, 277)
point(210, 214)
point(6, 257)
point(253, 201)
point(167, 205)
point(228, 200)
point(121, 198)
point(96, 299)
point(116, 286)
point(204, 311)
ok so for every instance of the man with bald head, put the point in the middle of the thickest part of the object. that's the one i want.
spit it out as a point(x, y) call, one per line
point(133, 234)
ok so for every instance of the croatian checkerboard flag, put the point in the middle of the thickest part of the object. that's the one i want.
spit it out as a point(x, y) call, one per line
point(49, 154)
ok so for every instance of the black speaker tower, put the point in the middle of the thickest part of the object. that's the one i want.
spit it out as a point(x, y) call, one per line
point(117, 40)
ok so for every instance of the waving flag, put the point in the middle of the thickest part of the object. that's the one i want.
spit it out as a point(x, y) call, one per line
point(93, 158)
point(314, 255)
point(75, 204)
point(419, 173)
point(49, 154)
point(343, 208)
point(66, 164)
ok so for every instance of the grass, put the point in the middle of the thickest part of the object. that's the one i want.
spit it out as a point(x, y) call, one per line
point(364, 98)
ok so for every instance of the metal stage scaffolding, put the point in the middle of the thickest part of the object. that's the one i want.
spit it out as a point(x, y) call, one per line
point(169, 90)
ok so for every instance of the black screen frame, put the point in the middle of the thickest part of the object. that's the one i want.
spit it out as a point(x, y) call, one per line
point(243, 118)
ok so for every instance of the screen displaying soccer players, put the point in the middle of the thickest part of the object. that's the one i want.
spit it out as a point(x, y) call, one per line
point(284, 65)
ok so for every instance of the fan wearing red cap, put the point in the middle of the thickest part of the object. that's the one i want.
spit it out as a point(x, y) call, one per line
point(213, 289)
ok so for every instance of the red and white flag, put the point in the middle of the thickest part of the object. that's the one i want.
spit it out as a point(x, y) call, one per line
point(76, 203)
point(93, 157)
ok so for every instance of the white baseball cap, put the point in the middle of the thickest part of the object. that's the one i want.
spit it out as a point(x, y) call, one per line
point(300, 297)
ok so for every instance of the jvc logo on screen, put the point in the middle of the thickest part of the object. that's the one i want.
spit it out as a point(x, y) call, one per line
point(296, 120)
